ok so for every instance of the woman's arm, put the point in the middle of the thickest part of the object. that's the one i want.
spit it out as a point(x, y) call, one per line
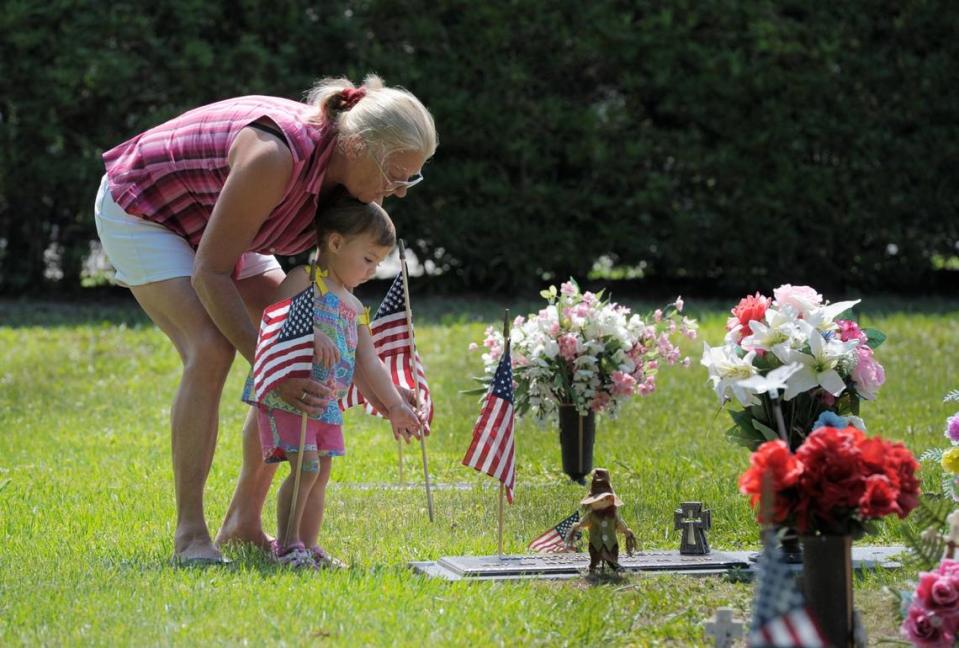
point(260, 169)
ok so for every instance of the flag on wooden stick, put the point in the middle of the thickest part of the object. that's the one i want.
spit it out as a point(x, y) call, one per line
point(284, 346)
point(391, 339)
point(553, 541)
point(491, 451)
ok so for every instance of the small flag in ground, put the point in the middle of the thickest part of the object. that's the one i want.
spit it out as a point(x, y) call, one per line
point(391, 339)
point(780, 617)
point(284, 346)
point(491, 451)
point(552, 540)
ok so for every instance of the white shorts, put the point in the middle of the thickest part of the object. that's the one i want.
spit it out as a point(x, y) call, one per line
point(143, 252)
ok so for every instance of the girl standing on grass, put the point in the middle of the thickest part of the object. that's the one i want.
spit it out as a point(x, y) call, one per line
point(353, 238)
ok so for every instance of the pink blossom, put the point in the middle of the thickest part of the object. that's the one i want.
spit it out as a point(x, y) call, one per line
point(927, 629)
point(678, 304)
point(849, 330)
point(686, 362)
point(567, 346)
point(939, 593)
point(590, 299)
point(868, 374)
point(952, 428)
point(519, 360)
point(623, 384)
point(652, 364)
point(647, 387)
point(948, 567)
point(801, 298)
point(519, 321)
point(567, 288)
point(473, 346)
point(599, 402)
point(554, 329)
point(658, 315)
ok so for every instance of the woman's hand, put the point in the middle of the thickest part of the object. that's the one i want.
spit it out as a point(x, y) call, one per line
point(404, 421)
point(305, 394)
point(325, 352)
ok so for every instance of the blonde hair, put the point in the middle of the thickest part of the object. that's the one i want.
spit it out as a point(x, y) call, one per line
point(385, 120)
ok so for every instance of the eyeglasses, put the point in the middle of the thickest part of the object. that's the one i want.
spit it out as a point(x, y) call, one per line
point(392, 184)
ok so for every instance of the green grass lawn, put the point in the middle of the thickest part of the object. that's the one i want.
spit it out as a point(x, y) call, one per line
point(86, 497)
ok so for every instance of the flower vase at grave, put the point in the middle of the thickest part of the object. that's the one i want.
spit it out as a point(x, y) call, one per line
point(576, 436)
point(827, 585)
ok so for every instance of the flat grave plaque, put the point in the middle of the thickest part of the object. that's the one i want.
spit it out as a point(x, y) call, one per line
point(573, 563)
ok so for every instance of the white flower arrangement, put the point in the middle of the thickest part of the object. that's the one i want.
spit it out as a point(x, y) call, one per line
point(586, 351)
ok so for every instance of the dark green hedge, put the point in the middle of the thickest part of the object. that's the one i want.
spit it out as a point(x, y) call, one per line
point(726, 144)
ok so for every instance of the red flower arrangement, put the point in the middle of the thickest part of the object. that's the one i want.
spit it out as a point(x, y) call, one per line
point(837, 481)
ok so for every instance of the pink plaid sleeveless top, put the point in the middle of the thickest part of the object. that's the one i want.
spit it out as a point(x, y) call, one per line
point(172, 174)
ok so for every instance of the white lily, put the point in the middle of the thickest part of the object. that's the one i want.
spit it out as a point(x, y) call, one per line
point(780, 328)
point(822, 318)
point(818, 367)
point(726, 370)
point(772, 382)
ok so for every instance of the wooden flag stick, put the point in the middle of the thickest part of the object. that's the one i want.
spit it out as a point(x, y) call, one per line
point(502, 496)
point(299, 455)
point(416, 377)
point(296, 482)
point(502, 486)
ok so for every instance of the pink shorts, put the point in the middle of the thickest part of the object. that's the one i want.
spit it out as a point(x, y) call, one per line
point(280, 438)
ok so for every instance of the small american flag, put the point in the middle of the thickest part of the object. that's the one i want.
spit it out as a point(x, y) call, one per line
point(284, 347)
point(780, 617)
point(391, 339)
point(552, 540)
point(491, 451)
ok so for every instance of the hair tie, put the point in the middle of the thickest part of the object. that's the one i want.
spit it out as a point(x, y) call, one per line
point(350, 96)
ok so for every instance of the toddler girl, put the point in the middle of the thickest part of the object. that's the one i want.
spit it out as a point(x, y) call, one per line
point(352, 239)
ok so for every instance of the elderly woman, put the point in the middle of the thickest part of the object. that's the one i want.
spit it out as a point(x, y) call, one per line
point(191, 213)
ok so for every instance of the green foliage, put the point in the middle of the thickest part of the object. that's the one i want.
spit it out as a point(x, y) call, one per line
point(926, 531)
point(668, 136)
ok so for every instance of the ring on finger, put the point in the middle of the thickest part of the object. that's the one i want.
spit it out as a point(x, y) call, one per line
point(303, 397)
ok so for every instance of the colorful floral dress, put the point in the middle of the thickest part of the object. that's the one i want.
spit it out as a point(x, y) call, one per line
point(279, 421)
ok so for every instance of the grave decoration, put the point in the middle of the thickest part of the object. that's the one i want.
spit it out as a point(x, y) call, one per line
point(584, 355)
point(834, 358)
point(694, 521)
point(602, 520)
point(830, 489)
point(724, 629)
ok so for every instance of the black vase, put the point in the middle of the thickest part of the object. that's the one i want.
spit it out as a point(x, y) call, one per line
point(576, 436)
point(827, 585)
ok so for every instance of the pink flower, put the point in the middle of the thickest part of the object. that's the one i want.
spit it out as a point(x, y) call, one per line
point(926, 629)
point(599, 402)
point(590, 299)
point(678, 304)
point(567, 346)
point(802, 298)
point(647, 387)
point(658, 315)
point(952, 428)
point(868, 374)
point(567, 288)
point(554, 329)
point(473, 346)
point(623, 384)
point(686, 362)
point(849, 330)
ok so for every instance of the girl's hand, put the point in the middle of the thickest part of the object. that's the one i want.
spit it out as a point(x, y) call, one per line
point(422, 413)
point(404, 421)
point(305, 394)
point(325, 352)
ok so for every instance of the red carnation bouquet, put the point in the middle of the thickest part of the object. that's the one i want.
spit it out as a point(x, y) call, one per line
point(836, 482)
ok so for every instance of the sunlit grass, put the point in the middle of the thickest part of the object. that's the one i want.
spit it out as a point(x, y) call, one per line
point(86, 506)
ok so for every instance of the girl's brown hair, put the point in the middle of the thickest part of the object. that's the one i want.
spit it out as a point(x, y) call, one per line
point(347, 216)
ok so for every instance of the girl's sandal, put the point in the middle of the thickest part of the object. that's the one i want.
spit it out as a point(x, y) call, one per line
point(295, 557)
point(324, 560)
